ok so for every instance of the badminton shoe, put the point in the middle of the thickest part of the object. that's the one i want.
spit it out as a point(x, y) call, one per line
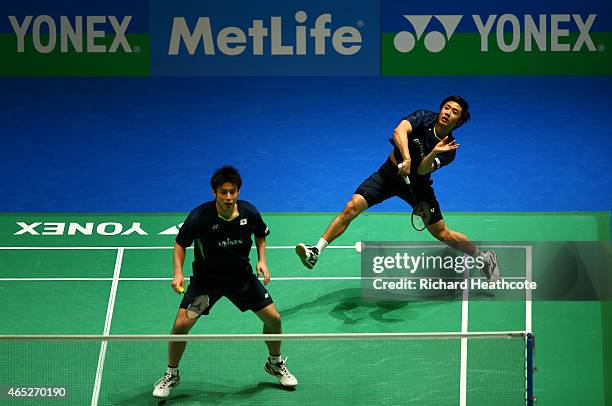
point(165, 384)
point(490, 269)
point(285, 378)
point(308, 254)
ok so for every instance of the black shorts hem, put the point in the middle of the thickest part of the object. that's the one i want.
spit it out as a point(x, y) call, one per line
point(251, 295)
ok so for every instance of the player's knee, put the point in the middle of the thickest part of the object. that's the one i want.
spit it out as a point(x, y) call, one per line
point(180, 329)
point(182, 325)
point(350, 211)
point(442, 234)
point(273, 321)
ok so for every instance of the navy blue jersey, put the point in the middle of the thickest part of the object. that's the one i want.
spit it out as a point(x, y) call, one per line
point(421, 141)
point(222, 247)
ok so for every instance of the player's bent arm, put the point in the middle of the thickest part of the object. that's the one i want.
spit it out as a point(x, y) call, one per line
point(431, 162)
point(179, 258)
point(400, 137)
point(427, 165)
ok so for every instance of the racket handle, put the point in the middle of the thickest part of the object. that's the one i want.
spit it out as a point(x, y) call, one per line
point(406, 178)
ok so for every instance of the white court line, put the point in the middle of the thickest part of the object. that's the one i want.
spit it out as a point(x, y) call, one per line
point(107, 326)
point(438, 246)
point(297, 278)
point(528, 308)
point(273, 247)
point(87, 248)
point(292, 247)
point(53, 279)
point(528, 275)
point(464, 350)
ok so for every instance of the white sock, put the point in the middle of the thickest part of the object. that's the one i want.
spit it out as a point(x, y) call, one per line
point(275, 359)
point(172, 371)
point(321, 245)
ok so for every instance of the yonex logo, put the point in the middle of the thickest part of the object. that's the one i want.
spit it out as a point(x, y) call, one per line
point(83, 30)
point(510, 32)
point(542, 33)
point(71, 229)
point(434, 41)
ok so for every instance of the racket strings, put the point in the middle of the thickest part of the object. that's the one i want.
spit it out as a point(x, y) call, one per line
point(420, 213)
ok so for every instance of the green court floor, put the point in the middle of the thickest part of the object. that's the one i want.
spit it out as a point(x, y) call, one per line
point(110, 274)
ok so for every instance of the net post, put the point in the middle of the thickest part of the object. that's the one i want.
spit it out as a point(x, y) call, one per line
point(530, 398)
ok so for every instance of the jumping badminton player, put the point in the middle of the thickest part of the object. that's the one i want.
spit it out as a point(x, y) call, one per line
point(423, 142)
point(222, 231)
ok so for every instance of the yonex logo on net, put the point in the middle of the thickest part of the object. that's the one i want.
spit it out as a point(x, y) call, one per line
point(434, 41)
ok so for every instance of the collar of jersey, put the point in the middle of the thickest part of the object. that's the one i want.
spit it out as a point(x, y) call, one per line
point(229, 219)
point(435, 133)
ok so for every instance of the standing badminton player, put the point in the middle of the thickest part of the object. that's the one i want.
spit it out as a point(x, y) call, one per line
point(423, 142)
point(222, 231)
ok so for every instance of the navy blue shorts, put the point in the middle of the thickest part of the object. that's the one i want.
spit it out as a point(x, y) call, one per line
point(250, 296)
point(386, 183)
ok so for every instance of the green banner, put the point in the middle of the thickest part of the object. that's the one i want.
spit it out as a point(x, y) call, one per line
point(469, 54)
point(49, 56)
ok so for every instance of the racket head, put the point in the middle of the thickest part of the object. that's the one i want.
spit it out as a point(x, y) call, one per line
point(197, 307)
point(420, 216)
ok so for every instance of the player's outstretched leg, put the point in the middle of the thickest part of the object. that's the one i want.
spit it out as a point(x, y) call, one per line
point(462, 243)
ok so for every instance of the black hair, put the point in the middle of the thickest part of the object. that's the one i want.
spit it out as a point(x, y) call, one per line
point(226, 173)
point(465, 108)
